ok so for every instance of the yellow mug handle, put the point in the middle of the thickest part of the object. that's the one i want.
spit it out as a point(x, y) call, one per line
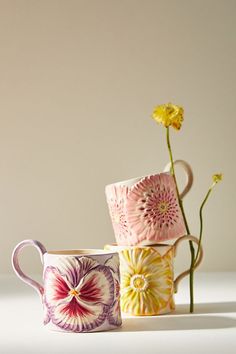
point(186, 272)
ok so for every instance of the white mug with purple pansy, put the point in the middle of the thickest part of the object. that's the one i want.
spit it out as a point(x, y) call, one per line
point(145, 210)
point(81, 288)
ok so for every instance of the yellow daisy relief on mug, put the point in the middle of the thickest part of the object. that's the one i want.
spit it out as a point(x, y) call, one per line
point(146, 281)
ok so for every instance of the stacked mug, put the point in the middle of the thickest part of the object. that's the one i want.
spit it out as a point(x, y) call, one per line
point(85, 290)
point(145, 212)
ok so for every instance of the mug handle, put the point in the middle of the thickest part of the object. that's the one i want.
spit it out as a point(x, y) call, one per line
point(188, 172)
point(186, 272)
point(15, 263)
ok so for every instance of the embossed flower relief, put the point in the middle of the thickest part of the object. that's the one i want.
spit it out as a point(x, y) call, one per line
point(80, 294)
point(146, 281)
point(149, 210)
point(114, 314)
point(116, 197)
point(153, 210)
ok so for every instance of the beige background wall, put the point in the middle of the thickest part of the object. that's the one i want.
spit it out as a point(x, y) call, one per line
point(78, 82)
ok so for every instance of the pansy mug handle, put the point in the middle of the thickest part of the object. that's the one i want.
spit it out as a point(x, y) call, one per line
point(16, 266)
point(188, 172)
point(186, 272)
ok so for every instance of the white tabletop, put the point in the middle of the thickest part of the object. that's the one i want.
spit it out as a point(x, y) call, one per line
point(211, 329)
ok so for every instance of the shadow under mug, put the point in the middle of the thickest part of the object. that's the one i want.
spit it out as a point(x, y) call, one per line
point(147, 277)
point(80, 291)
point(145, 210)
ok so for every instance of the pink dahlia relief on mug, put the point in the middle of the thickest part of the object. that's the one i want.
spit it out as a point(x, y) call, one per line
point(81, 288)
point(145, 210)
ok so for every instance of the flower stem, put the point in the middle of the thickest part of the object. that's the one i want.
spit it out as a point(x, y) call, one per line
point(192, 250)
point(201, 220)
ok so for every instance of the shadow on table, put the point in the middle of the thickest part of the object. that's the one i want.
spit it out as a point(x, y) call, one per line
point(205, 308)
point(176, 323)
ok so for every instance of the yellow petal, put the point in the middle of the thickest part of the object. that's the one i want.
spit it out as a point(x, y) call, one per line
point(217, 177)
point(169, 115)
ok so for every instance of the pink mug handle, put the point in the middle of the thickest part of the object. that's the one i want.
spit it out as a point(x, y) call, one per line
point(15, 263)
point(188, 172)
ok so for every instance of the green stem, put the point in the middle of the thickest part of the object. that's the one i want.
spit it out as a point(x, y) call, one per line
point(201, 221)
point(172, 171)
point(192, 250)
point(191, 277)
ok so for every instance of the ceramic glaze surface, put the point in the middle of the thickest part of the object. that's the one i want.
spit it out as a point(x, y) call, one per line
point(146, 212)
point(80, 292)
point(147, 280)
point(147, 277)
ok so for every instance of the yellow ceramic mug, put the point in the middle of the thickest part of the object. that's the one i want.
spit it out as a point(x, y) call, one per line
point(147, 277)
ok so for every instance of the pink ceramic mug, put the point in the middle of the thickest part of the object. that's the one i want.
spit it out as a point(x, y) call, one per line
point(80, 291)
point(145, 210)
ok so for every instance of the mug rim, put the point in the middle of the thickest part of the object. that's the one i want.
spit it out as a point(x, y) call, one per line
point(136, 179)
point(115, 245)
point(80, 252)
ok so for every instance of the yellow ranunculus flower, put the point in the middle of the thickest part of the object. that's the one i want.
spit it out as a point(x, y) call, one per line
point(217, 177)
point(169, 115)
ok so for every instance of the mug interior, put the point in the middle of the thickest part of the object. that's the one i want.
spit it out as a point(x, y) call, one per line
point(80, 252)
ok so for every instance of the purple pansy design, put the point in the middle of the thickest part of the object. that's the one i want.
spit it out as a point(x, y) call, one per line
point(79, 293)
point(114, 312)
